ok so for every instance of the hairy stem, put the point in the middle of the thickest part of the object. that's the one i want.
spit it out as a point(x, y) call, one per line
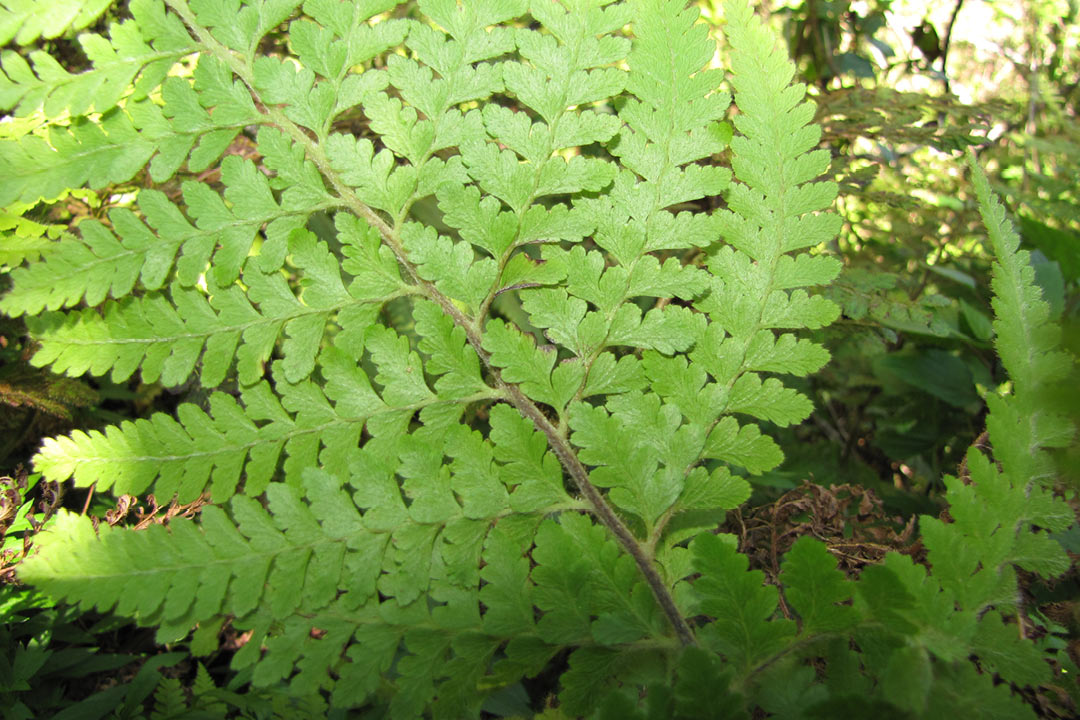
point(557, 441)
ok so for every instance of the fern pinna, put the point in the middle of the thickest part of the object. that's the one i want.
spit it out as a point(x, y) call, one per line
point(485, 384)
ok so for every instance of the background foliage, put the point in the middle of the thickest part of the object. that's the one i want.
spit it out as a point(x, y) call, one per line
point(895, 411)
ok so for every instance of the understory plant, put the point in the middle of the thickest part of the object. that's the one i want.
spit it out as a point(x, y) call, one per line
point(473, 378)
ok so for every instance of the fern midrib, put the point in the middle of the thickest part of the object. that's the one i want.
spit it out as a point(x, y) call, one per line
point(559, 444)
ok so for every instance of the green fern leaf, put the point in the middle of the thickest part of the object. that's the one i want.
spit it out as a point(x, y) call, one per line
point(1022, 427)
point(962, 689)
point(182, 457)
point(84, 154)
point(773, 210)
point(134, 59)
point(739, 601)
point(22, 21)
point(99, 263)
point(237, 25)
point(166, 337)
point(976, 555)
point(816, 589)
point(527, 465)
point(997, 515)
point(487, 381)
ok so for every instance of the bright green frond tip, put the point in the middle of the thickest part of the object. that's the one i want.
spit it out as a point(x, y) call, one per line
point(1027, 422)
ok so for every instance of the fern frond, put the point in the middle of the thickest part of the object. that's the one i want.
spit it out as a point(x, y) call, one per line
point(312, 426)
point(206, 558)
point(976, 557)
point(920, 628)
point(169, 700)
point(165, 337)
point(26, 240)
point(740, 602)
point(99, 263)
point(84, 154)
point(669, 125)
point(319, 560)
point(1024, 425)
point(512, 391)
point(144, 47)
point(1002, 515)
point(775, 209)
point(816, 589)
point(199, 119)
point(380, 182)
point(23, 21)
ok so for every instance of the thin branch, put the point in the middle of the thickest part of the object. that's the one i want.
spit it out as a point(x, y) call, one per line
point(947, 42)
point(89, 497)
